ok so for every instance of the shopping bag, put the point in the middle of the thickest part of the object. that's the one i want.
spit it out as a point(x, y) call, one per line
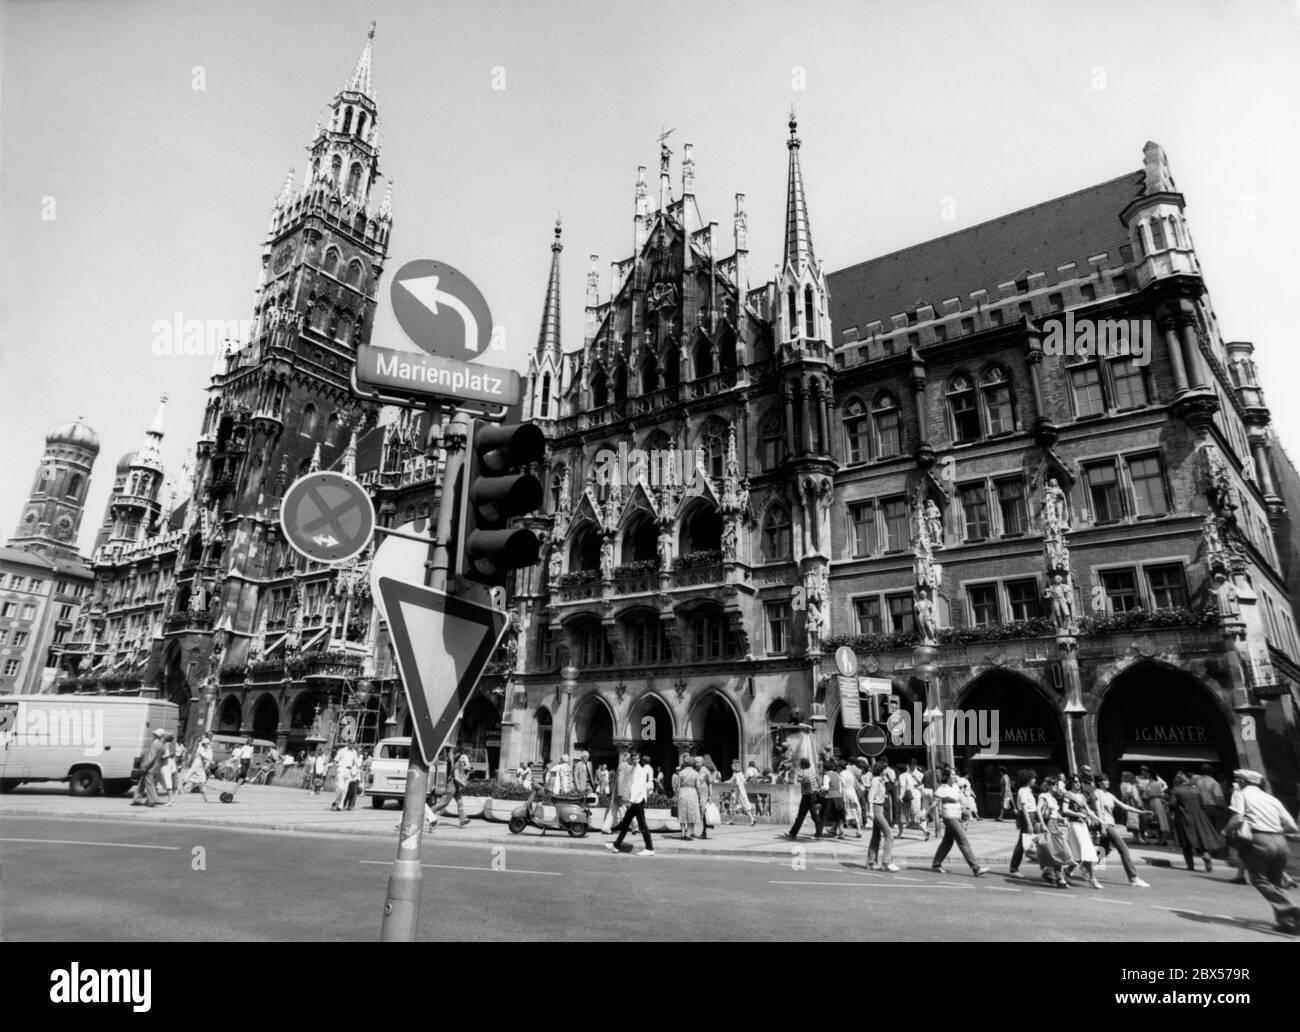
point(607, 825)
point(1028, 842)
point(712, 815)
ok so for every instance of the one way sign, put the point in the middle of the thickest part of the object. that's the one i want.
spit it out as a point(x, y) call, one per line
point(443, 644)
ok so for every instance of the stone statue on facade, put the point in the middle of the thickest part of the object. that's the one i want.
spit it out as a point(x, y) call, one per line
point(554, 567)
point(729, 539)
point(1056, 508)
point(607, 559)
point(933, 524)
point(1061, 594)
point(923, 615)
point(666, 548)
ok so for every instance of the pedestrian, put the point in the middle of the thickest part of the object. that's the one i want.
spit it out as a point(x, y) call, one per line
point(320, 766)
point(832, 800)
point(928, 818)
point(167, 769)
point(1256, 828)
point(1008, 801)
point(849, 791)
point(457, 778)
point(949, 798)
point(1153, 789)
point(621, 787)
point(582, 779)
point(1079, 821)
point(640, 782)
point(602, 780)
point(1103, 804)
point(740, 794)
point(808, 802)
point(1196, 833)
point(524, 774)
point(969, 807)
point(1131, 797)
point(149, 765)
point(689, 817)
point(752, 772)
point(908, 796)
point(1053, 850)
point(244, 753)
point(880, 850)
point(197, 774)
point(710, 815)
point(1027, 823)
point(354, 777)
point(343, 760)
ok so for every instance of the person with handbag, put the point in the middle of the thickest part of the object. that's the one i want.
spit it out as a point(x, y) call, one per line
point(1053, 853)
point(1258, 829)
point(1103, 804)
point(1027, 825)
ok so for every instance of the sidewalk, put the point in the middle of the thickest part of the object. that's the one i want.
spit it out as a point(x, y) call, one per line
point(276, 808)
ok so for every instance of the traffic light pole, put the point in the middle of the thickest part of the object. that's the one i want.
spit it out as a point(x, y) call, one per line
point(402, 906)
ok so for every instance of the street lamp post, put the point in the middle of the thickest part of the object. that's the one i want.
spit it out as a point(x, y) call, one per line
point(924, 669)
point(568, 685)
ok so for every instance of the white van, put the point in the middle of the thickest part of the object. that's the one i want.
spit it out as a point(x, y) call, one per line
point(92, 742)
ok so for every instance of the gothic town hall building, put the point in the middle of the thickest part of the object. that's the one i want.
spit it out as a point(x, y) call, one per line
point(899, 457)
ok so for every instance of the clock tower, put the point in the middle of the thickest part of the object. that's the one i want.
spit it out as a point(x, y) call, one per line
point(282, 402)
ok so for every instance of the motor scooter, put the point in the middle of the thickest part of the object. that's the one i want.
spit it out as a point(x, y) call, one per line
point(571, 815)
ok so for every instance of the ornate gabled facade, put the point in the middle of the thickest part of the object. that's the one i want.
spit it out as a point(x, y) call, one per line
point(690, 477)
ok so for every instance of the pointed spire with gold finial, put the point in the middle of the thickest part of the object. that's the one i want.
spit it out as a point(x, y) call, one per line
point(350, 457)
point(315, 461)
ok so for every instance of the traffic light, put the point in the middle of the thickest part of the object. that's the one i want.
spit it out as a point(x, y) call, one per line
point(493, 489)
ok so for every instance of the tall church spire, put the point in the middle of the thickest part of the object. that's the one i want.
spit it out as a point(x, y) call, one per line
point(798, 232)
point(360, 81)
point(548, 339)
point(149, 455)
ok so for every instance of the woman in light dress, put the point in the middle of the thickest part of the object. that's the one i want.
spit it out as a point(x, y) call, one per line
point(198, 769)
point(1080, 818)
point(688, 801)
point(1054, 852)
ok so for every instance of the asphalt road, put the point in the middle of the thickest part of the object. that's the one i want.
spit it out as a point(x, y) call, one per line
point(96, 880)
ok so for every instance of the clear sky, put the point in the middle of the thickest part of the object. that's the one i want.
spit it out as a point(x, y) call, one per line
point(162, 192)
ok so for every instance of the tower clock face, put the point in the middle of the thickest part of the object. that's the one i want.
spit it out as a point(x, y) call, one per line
point(282, 258)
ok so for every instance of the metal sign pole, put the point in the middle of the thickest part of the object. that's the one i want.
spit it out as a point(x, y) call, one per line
point(402, 906)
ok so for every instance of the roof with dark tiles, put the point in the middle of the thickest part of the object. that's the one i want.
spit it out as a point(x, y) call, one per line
point(1037, 239)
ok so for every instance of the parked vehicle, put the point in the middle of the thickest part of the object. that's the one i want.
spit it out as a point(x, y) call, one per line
point(93, 742)
point(571, 815)
point(388, 770)
point(225, 766)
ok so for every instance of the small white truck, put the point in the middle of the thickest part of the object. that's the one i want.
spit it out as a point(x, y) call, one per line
point(93, 742)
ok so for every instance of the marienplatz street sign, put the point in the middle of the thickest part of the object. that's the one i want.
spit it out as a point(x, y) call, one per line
point(447, 318)
point(327, 517)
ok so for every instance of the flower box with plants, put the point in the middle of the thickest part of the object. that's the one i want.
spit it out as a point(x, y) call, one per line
point(576, 577)
point(691, 560)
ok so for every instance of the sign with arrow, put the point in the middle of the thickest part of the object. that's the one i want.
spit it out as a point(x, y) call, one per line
point(327, 517)
point(442, 644)
point(447, 318)
point(441, 310)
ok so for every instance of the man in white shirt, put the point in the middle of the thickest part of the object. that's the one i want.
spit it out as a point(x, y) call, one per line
point(907, 792)
point(1265, 853)
point(949, 798)
point(640, 784)
point(244, 754)
point(344, 762)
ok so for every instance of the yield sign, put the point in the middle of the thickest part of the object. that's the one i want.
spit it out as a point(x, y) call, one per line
point(441, 310)
point(442, 644)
